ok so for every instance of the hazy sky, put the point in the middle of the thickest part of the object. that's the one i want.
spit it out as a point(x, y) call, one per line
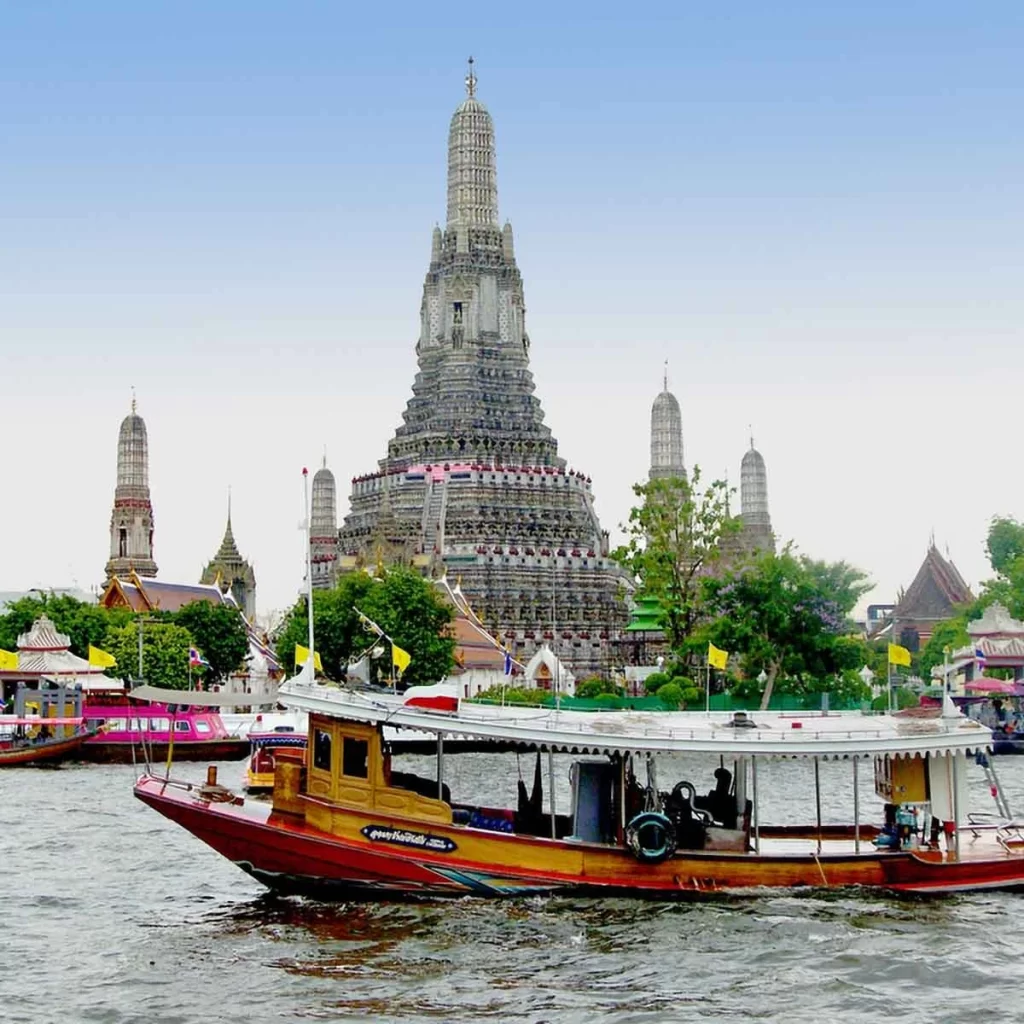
point(814, 214)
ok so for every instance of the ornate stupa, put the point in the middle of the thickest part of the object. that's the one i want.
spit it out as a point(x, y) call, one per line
point(232, 573)
point(666, 436)
point(472, 482)
point(131, 521)
point(323, 534)
point(756, 534)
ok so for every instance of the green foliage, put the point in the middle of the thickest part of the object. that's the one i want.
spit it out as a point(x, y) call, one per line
point(839, 582)
point(514, 695)
point(610, 699)
point(671, 695)
point(596, 686)
point(950, 634)
point(654, 682)
point(218, 630)
point(691, 695)
point(164, 652)
point(85, 623)
point(780, 618)
point(1005, 544)
point(407, 607)
point(673, 537)
point(902, 698)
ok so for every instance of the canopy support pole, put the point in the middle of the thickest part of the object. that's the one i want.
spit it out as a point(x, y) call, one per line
point(551, 788)
point(817, 796)
point(956, 803)
point(440, 766)
point(756, 809)
point(856, 807)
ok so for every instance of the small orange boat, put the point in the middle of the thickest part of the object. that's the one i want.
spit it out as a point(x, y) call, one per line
point(342, 824)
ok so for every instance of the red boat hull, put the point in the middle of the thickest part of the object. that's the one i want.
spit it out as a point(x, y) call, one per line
point(287, 855)
point(101, 751)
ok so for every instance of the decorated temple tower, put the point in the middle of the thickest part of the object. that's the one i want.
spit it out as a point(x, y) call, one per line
point(756, 534)
point(131, 521)
point(323, 534)
point(232, 573)
point(472, 482)
point(666, 436)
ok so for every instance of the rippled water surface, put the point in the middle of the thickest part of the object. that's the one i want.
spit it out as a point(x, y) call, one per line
point(113, 914)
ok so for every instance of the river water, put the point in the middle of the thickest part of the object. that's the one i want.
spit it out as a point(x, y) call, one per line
point(112, 914)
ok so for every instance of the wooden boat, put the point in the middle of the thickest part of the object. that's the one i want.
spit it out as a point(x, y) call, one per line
point(342, 824)
point(270, 735)
point(27, 741)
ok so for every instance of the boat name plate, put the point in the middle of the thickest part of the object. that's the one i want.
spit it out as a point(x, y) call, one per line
point(405, 837)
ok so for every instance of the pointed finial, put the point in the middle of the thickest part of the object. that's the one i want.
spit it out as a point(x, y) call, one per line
point(229, 504)
point(470, 80)
point(133, 399)
point(666, 375)
point(325, 457)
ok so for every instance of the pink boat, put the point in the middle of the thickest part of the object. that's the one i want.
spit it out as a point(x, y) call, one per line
point(135, 731)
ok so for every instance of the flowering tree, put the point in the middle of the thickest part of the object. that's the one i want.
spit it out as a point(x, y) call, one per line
point(775, 613)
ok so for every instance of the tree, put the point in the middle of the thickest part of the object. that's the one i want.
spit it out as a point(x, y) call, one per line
point(773, 613)
point(1005, 544)
point(164, 652)
point(218, 630)
point(952, 634)
point(407, 607)
point(85, 623)
point(674, 536)
point(839, 582)
point(338, 632)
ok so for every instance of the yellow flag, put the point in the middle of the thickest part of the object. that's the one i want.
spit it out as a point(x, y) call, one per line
point(100, 658)
point(8, 661)
point(717, 658)
point(399, 658)
point(899, 655)
point(302, 656)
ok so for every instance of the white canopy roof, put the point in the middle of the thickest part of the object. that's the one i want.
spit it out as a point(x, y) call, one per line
point(830, 736)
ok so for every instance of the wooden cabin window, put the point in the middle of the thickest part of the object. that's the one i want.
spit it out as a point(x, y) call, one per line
point(322, 750)
point(354, 758)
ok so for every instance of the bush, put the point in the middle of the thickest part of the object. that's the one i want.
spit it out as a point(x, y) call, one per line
point(692, 695)
point(608, 699)
point(902, 698)
point(655, 681)
point(671, 695)
point(595, 686)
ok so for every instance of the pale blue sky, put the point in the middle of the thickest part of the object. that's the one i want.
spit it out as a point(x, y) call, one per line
point(815, 215)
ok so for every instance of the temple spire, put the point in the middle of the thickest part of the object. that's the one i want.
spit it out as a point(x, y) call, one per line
point(131, 520)
point(472, 178)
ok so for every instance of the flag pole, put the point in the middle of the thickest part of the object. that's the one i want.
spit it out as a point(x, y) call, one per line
point(707, 691)
point(310, 660)
point(889, 671)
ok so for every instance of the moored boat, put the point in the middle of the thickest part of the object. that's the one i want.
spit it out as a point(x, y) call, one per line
point(127, 731)
point(46, 727)
point(270, 735)
point(344, 824)
point(26, 741)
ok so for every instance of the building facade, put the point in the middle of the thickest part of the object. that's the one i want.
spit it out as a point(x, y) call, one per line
point(131, 520)
point(472, 482)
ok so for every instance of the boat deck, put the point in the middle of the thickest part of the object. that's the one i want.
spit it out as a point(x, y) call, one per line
point(976, 843)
